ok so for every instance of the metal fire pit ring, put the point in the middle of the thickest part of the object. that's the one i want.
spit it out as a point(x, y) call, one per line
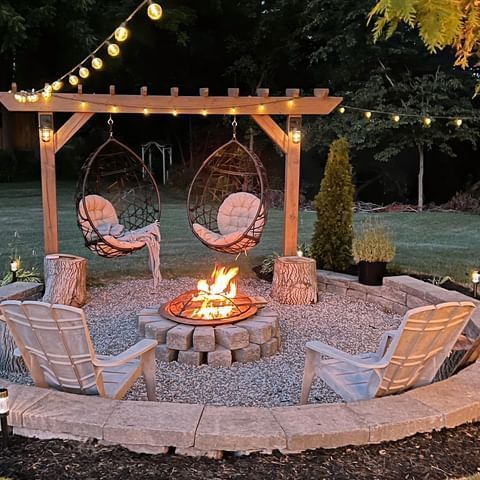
point(246, 306)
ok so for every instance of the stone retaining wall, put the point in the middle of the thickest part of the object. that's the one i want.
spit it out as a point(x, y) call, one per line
point(398, 294)
point(157, 427)
point(21, 291)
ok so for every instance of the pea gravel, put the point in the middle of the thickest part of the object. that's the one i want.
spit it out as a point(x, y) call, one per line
point(348, 324)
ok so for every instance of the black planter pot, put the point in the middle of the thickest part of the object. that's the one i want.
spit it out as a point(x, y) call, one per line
point(371, 273)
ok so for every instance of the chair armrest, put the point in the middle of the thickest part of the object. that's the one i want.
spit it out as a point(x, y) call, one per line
point(385, 342)
point(133, 352)
point(333, 352)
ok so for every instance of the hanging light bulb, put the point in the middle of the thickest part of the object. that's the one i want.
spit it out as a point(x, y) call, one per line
point(46, 94)
point(47, 88)
point(113, 49)
point(174, 113)
point(204, 112)
point(84, 72)
point(154, 10)
point(367, 115)
point(458, 122)
point(145, 111)
point(97, 63)
point(57, 85)
point(18, 97)
point(121, 33)
point(427, 121)
point(395, 118)
point(341, 110)
point(73, 80)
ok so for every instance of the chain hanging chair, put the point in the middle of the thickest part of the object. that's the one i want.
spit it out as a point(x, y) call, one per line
point(117, 200)
point(227, 199)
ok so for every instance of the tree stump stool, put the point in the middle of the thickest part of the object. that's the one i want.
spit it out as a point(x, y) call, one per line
point(65, 280)
point(295, 281)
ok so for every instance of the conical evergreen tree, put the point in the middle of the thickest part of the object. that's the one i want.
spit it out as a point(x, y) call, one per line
point(332, 238)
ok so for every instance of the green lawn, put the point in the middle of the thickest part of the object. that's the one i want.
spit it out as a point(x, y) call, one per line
point(432, 243)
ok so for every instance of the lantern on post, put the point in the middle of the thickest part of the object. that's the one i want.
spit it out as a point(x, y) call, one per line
point(295, 129)
point(14, 268)
point(45, 125)
point(475, 281)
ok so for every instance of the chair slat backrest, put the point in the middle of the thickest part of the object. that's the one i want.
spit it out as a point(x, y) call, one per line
point(55, 344)
point(426, 337)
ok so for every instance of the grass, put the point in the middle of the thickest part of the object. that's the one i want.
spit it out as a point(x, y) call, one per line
point(431, 243)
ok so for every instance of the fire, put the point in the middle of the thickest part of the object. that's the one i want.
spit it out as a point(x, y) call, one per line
point(216, 294)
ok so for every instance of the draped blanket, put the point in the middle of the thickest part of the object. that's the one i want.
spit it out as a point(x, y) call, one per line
point(151, 236)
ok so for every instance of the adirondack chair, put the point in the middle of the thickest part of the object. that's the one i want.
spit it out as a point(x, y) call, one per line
point(55, 344)
point(407, 357)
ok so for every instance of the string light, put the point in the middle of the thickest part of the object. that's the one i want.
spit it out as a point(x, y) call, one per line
point(395, 118)
point(458, 122)
point(290, 103)
point(341, 110)
point(145, 111)
point(113, 49)
point(73, 80)
point(233, 110)
point(174, 113)
point(84, 72)
point(154, 11)
point(367, 115)
point(261, 107)
point(427, 121)
point(204, 112)
point(97, 63)
point(121, 33)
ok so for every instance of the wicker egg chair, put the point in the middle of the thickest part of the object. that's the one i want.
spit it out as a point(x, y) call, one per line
point(227, 200)
point(116, 196)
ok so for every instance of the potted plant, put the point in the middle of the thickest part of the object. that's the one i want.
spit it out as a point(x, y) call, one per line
point(372, 248)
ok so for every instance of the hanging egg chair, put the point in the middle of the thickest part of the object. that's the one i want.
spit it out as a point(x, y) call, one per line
point(227, 199)
point(117, 201)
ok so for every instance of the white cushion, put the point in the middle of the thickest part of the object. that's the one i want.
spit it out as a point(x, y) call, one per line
point(237, 212)
point(100, 211)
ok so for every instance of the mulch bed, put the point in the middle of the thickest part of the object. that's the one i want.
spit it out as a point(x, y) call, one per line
point(448, 454)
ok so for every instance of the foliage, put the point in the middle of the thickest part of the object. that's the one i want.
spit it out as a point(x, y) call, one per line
point(373, 243)
point(268, 263)
point(332, 238)
point(23, 275)
point(439, 280)
point(463, 202)
point(440, 23)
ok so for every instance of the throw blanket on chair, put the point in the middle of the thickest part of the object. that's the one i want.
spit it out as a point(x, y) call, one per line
point(151, 236)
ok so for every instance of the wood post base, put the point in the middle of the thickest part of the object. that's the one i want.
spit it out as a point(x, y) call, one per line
point(295, 281)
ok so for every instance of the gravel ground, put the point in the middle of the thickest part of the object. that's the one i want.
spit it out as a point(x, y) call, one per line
point(351, 325)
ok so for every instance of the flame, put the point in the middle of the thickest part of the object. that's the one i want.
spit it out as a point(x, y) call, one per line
point(216, 293)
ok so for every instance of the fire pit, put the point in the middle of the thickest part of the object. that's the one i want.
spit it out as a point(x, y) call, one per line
point(212, 324)
point(213, 303)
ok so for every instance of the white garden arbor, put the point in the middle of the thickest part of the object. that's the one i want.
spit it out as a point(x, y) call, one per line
point(83, 106)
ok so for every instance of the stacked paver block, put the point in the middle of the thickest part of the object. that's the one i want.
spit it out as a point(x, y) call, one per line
point(397, 294)
point(245, 341)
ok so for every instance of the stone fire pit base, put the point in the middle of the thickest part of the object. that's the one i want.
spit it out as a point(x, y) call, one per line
point(244, 341)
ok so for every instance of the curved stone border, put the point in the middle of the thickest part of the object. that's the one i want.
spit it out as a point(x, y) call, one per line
point(153, 427)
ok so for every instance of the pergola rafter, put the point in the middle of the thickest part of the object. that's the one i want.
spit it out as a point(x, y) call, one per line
point(260, 108)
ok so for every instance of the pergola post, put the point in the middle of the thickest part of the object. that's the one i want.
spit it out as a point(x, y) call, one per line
point(292, 189)
point(51, 143)
point(49, 183)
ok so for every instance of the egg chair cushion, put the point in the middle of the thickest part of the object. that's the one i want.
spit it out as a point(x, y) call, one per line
point(102, 214)
point(214, 238)
point(237, 212)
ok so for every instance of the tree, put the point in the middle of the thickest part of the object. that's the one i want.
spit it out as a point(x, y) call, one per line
point(440, 23)
point(332, 238)
point(413, 98)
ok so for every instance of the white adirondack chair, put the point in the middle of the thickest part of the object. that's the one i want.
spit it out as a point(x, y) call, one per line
point(406, 358)
point(55, 344)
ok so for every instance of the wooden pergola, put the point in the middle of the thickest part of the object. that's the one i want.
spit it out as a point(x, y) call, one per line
point(260, 108)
